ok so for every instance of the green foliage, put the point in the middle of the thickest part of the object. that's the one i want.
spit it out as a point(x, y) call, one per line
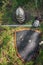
point(8, 9)
point(8, 52)
point(40, 58)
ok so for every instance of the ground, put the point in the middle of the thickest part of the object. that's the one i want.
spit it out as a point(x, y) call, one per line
point(8, 9)
point(7, 48)
point(7, 17)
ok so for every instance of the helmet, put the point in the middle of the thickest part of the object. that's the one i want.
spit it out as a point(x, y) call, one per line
point(20, 16)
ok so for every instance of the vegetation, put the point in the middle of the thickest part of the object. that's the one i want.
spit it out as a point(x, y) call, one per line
point(8, 8)
point(7, 16)
point(8, 54)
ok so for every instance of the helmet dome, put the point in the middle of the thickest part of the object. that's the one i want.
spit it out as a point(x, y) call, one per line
point(20, 15)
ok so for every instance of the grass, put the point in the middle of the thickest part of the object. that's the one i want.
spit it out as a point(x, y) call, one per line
point(8, 54)
point(7, 12)
point(7, 16)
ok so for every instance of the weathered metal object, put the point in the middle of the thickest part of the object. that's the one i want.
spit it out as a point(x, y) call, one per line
point(36, 23)
point(20, 15)
point(27, 44)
